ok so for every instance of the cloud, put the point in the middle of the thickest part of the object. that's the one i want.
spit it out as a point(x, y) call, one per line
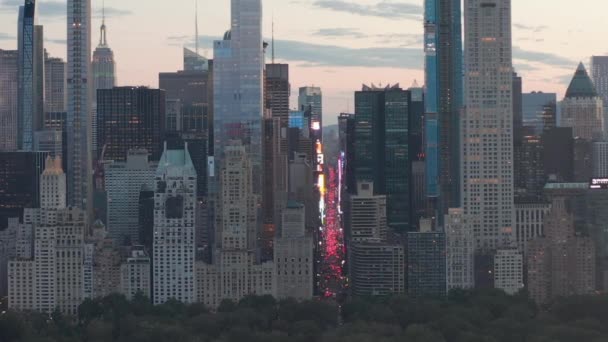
point(543, 57)
point(58, 41)
point(524, 27)
point(394, 39)
point(340, 32)
point(6, 36)
point(317, 55)
point(384, 9)
point(57, 9)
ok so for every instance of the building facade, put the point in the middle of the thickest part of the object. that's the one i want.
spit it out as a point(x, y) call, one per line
point(174, 226)
point(9, 85)
point(583, 108)
point(509, 270)
point(460, 251)
point(426, 264)
point(487, 136)
point(130, 118)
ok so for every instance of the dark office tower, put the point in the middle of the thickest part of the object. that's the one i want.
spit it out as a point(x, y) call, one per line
point(426, 264)
point(381, 148)
point(278, 90)
point(146, 217)
point(9, 84)
point(539, 112)
point(529, 170)
point(416, 123)
point(558, 156)
point(583, 159)
point(518, 132)
point(79, 92)
point(130, 118)
point(346, 137)
point(54, 84)
point(192, 89)
point(31, 76)
point(19, 183)
point(443, 102)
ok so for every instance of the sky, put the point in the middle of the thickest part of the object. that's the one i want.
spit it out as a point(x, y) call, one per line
point(335, 44)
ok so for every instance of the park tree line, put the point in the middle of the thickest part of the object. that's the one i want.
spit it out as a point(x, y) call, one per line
point(465, 316)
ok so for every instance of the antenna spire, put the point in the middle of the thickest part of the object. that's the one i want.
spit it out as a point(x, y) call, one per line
point(273, 38)
point(102, 38)
point(196, 26)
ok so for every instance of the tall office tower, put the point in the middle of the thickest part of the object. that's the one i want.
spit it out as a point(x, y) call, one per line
point(600, 159)
point(54, 84)
point(293, 255)
point(529, 220)
point(426, 263)
point(193, 90)
point(31, 76)
point(529, 171)
point(312, 97)
point(301, 186)
point(238, 89)
point(558, 154)
point(174, 224)
point(53, 185)
point(599, 74)
point(539, 112)
point(460, 251)
point(19, 183)
point(583, 108)
point(443, 102)
point(9, 85)
point(381, 148)
point(124, 182)
point(278, 90)
point(194, 62)
point(235, 273)
point(104, 76)
point(79, 92)
point(376, 265)
point(346, 137)
point(130, 118)
point(135, 274)
point(509, 270)
point(487, 136)
point(583, 162)
point(560, 264)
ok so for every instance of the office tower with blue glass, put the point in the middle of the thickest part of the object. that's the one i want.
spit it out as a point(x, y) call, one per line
point(31, 76)
point(79, 122)
point(238, 88)
point(443, 101)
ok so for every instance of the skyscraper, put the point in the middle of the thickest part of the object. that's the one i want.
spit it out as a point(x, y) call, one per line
point(583, 108)
point(539, 112)
point(426, 263)
point(460, 251)
point(104, 75)
point(381, 148)
point(599, 74)
point(31, 76)
point(487, 136)
point(79, 123)
point(444, 100)
point(313, 97)
point(54, 84)
point(130, 118)
point(174, 224)
point(9, 80)
point(238, 71)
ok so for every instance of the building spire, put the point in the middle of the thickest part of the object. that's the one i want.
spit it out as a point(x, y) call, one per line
point(196, 27)
point(102, 37)
point(272, 38)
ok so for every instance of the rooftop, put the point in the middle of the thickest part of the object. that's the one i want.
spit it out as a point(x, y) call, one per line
point(581, 85)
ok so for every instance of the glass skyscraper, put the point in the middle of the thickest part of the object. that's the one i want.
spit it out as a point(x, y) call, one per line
point(238, 69)
point(381, 148)
point(444, 100)
point(31, 76)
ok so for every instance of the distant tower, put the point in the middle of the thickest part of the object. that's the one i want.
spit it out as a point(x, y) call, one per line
point(104, 74)
point(79, 123)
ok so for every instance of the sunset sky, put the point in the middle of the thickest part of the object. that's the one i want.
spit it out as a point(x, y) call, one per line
point(334, 44)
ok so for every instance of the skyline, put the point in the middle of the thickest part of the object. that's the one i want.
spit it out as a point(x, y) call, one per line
point(329, 51)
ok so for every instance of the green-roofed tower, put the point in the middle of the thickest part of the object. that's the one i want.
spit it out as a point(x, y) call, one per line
point(581, 84)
